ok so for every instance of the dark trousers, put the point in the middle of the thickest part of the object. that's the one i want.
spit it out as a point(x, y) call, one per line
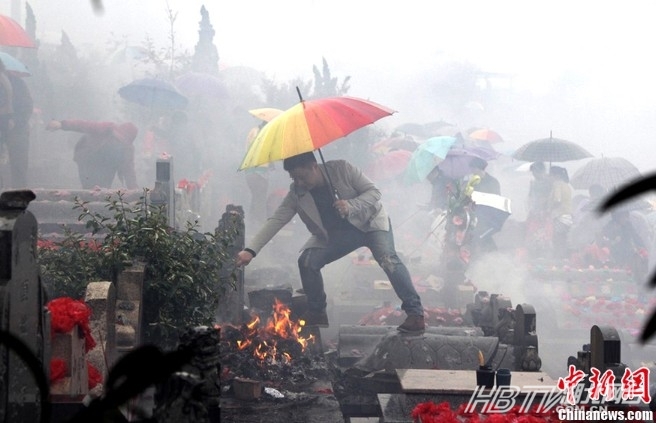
point(381, 244)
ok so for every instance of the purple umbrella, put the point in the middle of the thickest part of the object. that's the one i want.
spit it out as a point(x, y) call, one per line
point(458, 160)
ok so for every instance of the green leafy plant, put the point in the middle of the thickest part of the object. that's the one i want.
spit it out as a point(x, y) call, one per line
point(184, 269)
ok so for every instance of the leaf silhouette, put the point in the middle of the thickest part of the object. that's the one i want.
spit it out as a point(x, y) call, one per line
point(649, 328)
point(634, 189)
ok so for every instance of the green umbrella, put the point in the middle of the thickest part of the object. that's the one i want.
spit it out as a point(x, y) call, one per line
point(428, 155)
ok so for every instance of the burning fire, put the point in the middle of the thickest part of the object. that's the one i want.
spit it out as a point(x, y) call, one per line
point(265, 341)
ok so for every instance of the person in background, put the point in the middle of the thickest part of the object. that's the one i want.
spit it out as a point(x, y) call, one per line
point(338, 226)
point(538, 225)
point(486, 227)
point(489, 184)
point(627, 237)
point(441, 188)
point(18, 136)
point(6, 106)
point(105, 151)
point(173, 136)
point(587, 223)
point(560, 209)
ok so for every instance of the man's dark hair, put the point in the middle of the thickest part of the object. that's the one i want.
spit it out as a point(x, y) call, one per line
point(478, 163)
point(301, 160)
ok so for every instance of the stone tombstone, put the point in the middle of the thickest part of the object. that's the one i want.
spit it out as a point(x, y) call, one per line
point(22, 311)
point(525, 334)
point(231, 307)
point(129, 307)
point(605, 348)
point(101, 298)
point(163, 194)
point(70, 347)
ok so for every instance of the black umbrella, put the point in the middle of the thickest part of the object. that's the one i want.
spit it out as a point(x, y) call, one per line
point(551, 150)
point(608, 172)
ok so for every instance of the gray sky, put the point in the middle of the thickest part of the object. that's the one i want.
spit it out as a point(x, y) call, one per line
point(390, 48)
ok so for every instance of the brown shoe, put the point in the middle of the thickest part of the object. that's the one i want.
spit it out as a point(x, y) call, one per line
point(316, 318)
point(413, 324)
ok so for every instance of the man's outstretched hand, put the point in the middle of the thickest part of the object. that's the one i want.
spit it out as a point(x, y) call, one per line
point(243, 258)
point(53, 125)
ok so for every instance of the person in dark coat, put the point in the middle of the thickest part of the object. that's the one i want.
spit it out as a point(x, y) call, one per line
point(6, 104)
point(18, 136)
point(485, 226)
point(489, 183)
point(104, 151)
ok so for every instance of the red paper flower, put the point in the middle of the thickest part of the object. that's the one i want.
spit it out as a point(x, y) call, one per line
point(94, 375)
point(65, 313)
point(57, 370)
point(46, 244)
point(429, 412)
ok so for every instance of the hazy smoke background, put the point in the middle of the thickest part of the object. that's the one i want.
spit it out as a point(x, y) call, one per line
point(583, 70)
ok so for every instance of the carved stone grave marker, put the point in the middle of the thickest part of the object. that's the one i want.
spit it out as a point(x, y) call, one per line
point(22, 310)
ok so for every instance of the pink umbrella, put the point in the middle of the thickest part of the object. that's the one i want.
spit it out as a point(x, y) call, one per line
point(13, 35)
point(486, 135)
point(395, 143)
point(389, 166)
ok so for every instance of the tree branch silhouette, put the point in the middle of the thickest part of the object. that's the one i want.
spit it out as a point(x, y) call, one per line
point(627, 192)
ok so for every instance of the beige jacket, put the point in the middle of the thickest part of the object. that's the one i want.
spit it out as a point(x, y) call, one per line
point(366, 212)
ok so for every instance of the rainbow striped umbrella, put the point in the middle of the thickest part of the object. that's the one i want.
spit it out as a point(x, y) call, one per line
point(310, 125)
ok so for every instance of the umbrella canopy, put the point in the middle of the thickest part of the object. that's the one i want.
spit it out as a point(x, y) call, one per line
point(13, 35)
point(609, 172)
point(153, 93)
point(14, 65)
point(438, 127)
point(198, 84)
point(551, 150)
point(486, 135)
point(405, 142)
point(265, 113)
point(411, 128)
point(310, 125)
point(491, 208)
point(128, 54)
point(428, 155)
point(389, 165)
point(457, 163)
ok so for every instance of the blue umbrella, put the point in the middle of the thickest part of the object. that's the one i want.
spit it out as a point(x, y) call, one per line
point(154, 93)
point(428, 155)
point(14, 65)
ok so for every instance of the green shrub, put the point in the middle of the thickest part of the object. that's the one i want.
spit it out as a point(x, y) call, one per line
point(184, 269)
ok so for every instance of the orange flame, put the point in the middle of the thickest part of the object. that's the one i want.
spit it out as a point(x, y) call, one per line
point(279, 325)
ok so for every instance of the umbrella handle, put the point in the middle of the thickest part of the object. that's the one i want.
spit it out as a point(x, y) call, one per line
point(333, 190)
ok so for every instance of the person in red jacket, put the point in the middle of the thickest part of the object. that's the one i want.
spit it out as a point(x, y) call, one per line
point(104, 151)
